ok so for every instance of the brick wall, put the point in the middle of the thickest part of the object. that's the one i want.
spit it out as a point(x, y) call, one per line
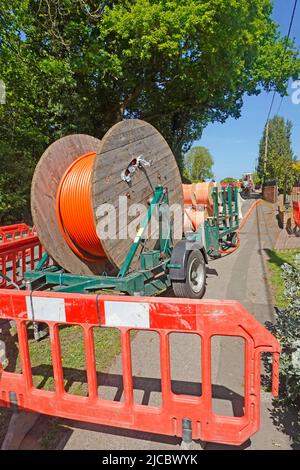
point(270, 193)
point(296, 193)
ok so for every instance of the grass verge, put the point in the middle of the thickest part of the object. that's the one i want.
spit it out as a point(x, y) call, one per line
point(275, 261)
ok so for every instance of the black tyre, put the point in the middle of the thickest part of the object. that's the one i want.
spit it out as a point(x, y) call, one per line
point(194, 285)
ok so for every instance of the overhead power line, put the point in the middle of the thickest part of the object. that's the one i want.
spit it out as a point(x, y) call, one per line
point(274, 94)
point(283, 54)
point(282, 98)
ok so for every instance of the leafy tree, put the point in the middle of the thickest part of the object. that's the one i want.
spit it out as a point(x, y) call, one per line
point(296, 170)
point(255, 178)
point(228, 180)
point(198, 164)
point(81, 66)
point(276, 160)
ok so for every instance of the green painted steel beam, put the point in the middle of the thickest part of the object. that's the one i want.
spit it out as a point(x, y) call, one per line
point(157, 197)
point(42, 262)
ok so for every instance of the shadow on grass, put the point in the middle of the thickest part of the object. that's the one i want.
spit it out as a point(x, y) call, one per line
point(275, 261)
point(278, 259)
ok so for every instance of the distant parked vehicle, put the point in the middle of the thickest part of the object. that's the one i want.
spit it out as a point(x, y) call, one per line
point(247, 184)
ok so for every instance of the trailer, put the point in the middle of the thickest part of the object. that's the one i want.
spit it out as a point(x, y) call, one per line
point(182, 267)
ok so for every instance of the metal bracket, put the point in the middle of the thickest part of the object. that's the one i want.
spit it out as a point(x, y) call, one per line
point(13, 402)
point(134, 165)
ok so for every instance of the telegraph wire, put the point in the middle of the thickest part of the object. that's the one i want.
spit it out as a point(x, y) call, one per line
point(282, 98)
point(283, 54)
point(274, 93)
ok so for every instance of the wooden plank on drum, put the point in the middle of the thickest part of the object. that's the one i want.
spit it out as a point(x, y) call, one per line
point(122, 143)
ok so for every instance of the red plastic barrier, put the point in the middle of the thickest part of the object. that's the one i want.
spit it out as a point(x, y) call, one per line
point(12, 232)
point(205, 318)
point(296, 213)
point(17, 256)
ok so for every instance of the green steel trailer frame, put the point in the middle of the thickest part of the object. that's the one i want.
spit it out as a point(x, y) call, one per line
point(181, 266)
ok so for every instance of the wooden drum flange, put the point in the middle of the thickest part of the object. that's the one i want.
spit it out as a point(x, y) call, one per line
point(47, 176)
point(124, 143)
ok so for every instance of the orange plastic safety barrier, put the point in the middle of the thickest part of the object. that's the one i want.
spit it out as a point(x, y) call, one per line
point(296, 213)
point(12, 232)
point(16, 257)
point(205, 318)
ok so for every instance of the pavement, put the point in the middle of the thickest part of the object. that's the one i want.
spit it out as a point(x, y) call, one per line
point(240, 276)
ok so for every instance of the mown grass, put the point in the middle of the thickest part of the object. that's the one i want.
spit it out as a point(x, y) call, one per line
point(275, 261)
point(107, 347)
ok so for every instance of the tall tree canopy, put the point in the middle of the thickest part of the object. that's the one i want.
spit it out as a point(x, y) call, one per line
point(228, 180)
point(276, 157)
point(198, 164)
point(296, 168)
point(81, 66)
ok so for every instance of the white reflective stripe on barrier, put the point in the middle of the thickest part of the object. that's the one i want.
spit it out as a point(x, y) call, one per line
point(45, 308)
point(126, 314)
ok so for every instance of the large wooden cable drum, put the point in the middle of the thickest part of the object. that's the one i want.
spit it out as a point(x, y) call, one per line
point(124, 142)
point(78, 175)
point(55, 161)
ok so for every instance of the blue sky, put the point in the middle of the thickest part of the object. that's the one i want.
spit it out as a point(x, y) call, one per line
point(234, 144)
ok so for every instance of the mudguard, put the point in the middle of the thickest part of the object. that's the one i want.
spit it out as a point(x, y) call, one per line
point(180, 256)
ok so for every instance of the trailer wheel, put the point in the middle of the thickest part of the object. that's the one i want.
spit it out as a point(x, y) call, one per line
point(194, 285)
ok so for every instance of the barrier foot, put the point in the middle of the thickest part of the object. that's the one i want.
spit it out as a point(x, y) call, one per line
point(185, 445)
point(199, 445)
